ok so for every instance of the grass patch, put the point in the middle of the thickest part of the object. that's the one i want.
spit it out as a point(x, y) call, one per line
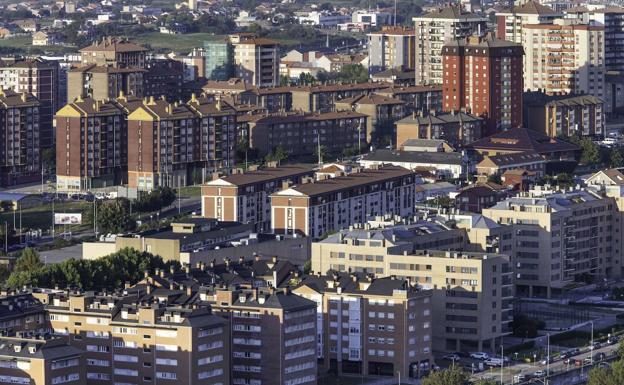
point(189, 191)
point(579, 338)
point(163, 42)
point(40, 217)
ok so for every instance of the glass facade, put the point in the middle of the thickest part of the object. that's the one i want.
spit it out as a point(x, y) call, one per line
point(219, 59)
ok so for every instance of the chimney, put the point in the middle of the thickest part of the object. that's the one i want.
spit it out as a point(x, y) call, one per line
point(149, 289)
point(189, 290)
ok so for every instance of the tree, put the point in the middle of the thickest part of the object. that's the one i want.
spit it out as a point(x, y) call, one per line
point(28, 261)
point(155, 200)
point(564, 180)
point(613, 375)
point(620, 351)
point(526, 327)
point(487, 382)
point(284, 80)
point(109, 272)
point(615, 158)
point(277, 155)
point(114, 216)
point(306, 78)
point(452, 376)
point(353, 73)
point(495, 178)
point(48, 159)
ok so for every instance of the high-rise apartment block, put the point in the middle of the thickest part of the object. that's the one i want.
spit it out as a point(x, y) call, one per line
point(564, 57)
point(392, 47)
point(370, 326)
point(435, 29)
point(91, 145)
point(510, 21)
point(484, 76)
point(40, 78)
point(20, 133)
point(113, 52)
point(256, 60)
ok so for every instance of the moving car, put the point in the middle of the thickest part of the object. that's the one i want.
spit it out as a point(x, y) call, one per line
point(539, 374)
point(494, 361)
point(451, 357)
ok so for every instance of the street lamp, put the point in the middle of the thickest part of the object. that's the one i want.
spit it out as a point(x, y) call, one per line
point(502, 363)
point(547, 355)
point(591, 348)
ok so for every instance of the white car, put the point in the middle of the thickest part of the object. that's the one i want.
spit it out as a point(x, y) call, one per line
point(479, 355)
point(494, 361)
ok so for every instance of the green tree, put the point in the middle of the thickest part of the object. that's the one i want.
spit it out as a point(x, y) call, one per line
point(620, 350)
point(526, 327)
point(564, 180)
point(114, 216)
point(615, 158)
point(613, 375)
point(28, 261)
point(452, 376)
point(4, 274)
point(495, 178)
point(487, 382)
point(353, 73)
point(307, 267)
point(306, 78)
point(155, 200)
point(284, 80)
point(278, 155)
point(48, 159)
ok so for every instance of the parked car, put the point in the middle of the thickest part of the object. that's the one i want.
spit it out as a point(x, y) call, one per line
point(600, 356)
point(479, 356)
point(596, 345)
point(587, 361)
point(494, 361)
point(519, 378)
point(451, 357)
point(547, 360)
point(613, 340)
point(539, 374)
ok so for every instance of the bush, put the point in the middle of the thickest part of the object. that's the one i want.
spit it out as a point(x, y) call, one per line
point(155, 200)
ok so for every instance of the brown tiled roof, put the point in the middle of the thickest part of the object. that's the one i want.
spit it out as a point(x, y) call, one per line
point(13, 99)
point(160, 108)
point(515, 158)
point(365, 177)
point(411, 89)
point(90, 106)
point(343, 87)
point(522, 139)
point(93, 68)
point(113, 45)
point(204, 106)
point(452, 12)
point(534, 8)
point(234, 84)
point(267, 174)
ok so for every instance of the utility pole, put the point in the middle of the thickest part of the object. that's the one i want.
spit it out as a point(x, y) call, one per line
point(502, 363)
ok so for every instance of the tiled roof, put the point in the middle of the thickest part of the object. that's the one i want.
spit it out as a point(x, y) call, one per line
point(522, 139)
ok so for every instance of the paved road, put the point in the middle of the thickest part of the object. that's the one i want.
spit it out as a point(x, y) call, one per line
point(60, 255)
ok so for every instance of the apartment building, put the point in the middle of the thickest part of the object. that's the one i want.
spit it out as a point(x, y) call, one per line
point(145, 334)
point(20, 155)
point(114, 52)
point(564, 115)
point(20, 312)
point(392, 47)
point(382, 112)
point(315, 208)
point(472, 292)
point(561, 238)
point(612, 18)
point(40, 359)
point(416, 98)
point(104, 82)
point(499, 164)
point(273, 334)
point(483, 75)
point(166, 144)
point(323, 98)
point(245, 197)
point(256, 60)
point(91, 145)
point(301, 133)
point(164, 77)
point(510, 21)
point(564, 57)
point(370, 326)
point(217, 133)
point(219, 60)
point(458, 128)
point(41, 79)
point(435, 29)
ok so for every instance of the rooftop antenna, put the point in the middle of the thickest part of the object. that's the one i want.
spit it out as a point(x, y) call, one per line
point(395, 11)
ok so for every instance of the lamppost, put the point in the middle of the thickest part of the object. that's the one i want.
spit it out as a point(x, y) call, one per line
point(398, 371)
point(547, 355)
point(502, 363)
point(591, 348)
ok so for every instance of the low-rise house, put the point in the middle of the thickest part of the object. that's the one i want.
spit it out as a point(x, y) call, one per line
point(457, 129)
point(499, 164)
point(382, 112)
point(475, 197)
point(443, 164)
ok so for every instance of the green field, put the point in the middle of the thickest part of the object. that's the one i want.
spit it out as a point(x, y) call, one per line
point(40, 217)
point(178, 43)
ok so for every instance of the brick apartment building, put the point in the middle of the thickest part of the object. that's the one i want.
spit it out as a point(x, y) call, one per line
point(299, 133)
point(245, 197)
point(91, 145)
point(483, 75)
point(20, 155)
point(315, 208)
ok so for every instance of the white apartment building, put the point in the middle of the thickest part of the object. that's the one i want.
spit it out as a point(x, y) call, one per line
point(560, 238)
point(435, 29)
point(510, 22)
point(564, 57)
point(256, 60)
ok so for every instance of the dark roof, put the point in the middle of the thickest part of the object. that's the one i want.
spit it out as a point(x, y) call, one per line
point(522, 139)
point(367, 176)
point(371, 99)
point(277, 300)
point(279, 118)
point(49, 348)
point(443, 118)
point(396, 73)
point(533, 7)
point(537, 98)
point(267, 174)
point(515, 158)
point(113, 45)
point(224, 228)
point(414, 157)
